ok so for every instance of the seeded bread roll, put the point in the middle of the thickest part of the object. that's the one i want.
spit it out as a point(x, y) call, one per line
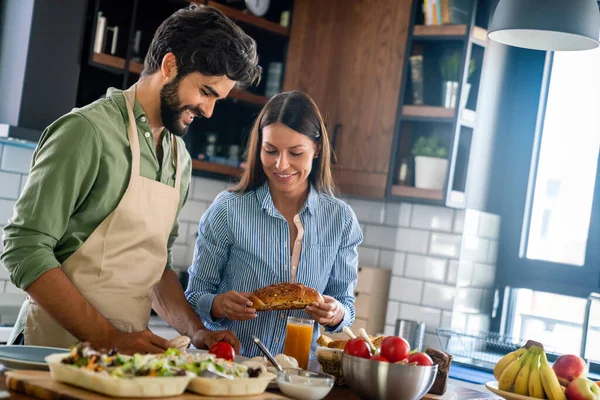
point(284, 296)
point(443, 361)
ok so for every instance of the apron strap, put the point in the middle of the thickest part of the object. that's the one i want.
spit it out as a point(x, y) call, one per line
point(132, 132)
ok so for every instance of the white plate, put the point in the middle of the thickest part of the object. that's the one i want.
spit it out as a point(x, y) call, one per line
point(143, 386)
point(18, 357)
point(493, 387)
point(231, 387)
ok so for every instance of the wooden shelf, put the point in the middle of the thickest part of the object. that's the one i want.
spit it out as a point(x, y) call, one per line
point(451, 31)
point(479, 36)
point(411, 191)
point(222, 169)
point(249, 19)
point(433, 112)
point(117, 62)
point(248, 97)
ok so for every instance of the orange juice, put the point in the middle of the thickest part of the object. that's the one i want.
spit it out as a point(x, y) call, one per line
point(298, 338)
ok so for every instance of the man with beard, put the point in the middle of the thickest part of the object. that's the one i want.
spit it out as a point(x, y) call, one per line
point(91, 235)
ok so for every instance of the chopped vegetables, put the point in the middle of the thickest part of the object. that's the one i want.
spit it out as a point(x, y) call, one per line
point(170, 363)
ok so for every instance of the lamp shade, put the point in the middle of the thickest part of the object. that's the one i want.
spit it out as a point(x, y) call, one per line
point(552, 25)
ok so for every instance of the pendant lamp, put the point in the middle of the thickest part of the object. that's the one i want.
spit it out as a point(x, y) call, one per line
point(551, 25)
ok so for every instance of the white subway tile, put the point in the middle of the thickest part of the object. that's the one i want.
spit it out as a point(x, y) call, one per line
point(398, 214)
point(389, 330)
point(391, 314)
point(3, 283)
point(446, 245)
point(368, 211)
point(181, 258)
point(12, 289)
point(474, 249)
point(16, 159)
point(192, 211)
point(459, 221)
point(425, 268)
point(484, 275)
point(452, 272)
point(478, 323)
point(182, 233)
point(468, 300)
point(392, 260)
point(492, 256)
point(471, 222)
point(6, 210)
point(12, 299)
point(465, 274)
point(459, 321)
point(4, 275)
point(9, 185)
point(489, 226)
point(446, 320)
point(207, 189)
point(407, 290)
point(368, 256)
point(402, 239)
point(431, 218)
point(431, 341)
point(9, 319)
point(438, 296)
point(430, 316)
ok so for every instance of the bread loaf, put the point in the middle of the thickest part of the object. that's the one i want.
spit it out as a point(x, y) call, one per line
point(284, 296)
point(443, 361)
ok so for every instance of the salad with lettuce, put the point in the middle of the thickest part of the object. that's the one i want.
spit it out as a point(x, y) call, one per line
point(171, 363)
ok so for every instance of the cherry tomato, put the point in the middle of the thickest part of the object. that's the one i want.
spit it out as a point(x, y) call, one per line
point(223, 350)
point(357, 347)
point(379, 357)
point(394, 348)
point(420, 359)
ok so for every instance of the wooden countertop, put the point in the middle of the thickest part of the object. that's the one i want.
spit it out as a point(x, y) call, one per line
point(457, 390)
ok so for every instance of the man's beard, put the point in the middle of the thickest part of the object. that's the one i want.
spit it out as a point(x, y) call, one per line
point(170, 110)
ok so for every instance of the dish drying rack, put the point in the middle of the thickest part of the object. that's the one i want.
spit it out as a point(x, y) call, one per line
point(481, 349)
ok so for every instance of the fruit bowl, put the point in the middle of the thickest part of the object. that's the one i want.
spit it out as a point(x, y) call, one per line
point(381, 380)
point(493, 387)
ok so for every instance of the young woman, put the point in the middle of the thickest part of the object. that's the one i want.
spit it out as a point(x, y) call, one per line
point(281, 223)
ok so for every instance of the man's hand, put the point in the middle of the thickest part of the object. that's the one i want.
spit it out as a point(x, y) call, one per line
point(204, 339)
point(234, 306)
point(330, 312)
point(136, 342)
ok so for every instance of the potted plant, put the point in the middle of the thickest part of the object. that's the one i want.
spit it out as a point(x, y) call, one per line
point(450, 70)
point(431, 162)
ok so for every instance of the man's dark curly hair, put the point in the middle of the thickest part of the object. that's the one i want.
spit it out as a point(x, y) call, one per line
point(204, 40)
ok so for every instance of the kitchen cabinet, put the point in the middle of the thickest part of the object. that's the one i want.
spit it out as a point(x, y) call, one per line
point(348, 55)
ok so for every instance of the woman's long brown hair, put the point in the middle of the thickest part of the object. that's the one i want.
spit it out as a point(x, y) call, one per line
point(299, 112)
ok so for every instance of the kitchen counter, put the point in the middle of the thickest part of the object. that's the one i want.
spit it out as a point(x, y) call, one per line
point(457, 390)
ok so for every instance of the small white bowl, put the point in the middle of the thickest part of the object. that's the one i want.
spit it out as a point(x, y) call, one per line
point(304, 385)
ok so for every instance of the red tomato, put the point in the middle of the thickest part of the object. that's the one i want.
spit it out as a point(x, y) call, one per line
point(357, 347)
point(223, 350)
point(394, 348)
point(379, 358)
point(420, 359)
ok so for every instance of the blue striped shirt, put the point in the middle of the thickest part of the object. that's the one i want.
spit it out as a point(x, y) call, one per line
point(243, 244)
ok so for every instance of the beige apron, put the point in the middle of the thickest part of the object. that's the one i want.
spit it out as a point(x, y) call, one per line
point(117, 266)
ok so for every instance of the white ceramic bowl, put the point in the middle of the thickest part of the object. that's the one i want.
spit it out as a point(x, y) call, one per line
point(304, 385)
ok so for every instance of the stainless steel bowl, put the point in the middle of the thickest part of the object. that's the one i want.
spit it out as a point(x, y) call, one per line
point(380, 380)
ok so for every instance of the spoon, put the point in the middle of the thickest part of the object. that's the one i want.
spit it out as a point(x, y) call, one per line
point(267, 353)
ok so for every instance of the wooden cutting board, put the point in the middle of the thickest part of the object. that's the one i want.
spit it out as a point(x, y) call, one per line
point(39, 384)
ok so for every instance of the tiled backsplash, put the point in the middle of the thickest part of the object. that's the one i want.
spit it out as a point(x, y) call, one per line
point(442, 260)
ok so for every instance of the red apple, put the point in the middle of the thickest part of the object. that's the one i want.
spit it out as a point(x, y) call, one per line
point(582, 389)
point(569, 367)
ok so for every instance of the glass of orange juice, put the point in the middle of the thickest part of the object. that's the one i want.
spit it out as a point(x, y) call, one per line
point(298, 338)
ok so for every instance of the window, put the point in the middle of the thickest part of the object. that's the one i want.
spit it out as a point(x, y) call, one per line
point(566, 167)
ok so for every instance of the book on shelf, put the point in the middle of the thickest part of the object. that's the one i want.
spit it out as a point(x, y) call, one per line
point(437, 12)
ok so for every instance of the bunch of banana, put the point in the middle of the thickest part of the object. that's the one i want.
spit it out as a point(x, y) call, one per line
point(526, 372)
